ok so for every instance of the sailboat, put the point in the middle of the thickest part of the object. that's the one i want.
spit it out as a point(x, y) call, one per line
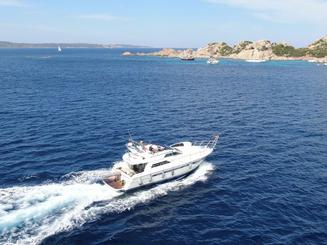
point(59, 49)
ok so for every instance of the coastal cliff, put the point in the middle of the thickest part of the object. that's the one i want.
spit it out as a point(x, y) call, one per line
point(248, 50)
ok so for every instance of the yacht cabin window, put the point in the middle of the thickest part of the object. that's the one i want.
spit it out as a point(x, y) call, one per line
point(159, 164)
point(139, 168)
point(178, 145)
point(174, 153)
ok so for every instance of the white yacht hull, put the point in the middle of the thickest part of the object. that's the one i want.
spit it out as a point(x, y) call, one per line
point(142, 167)
point(162, 176)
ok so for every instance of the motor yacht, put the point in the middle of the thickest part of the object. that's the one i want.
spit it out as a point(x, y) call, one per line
point(212, 61)
point(145, 164)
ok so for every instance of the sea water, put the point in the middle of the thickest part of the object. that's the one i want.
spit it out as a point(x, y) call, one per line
point(65, 117)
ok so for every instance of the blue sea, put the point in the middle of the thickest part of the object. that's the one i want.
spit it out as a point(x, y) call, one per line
point(65, 117)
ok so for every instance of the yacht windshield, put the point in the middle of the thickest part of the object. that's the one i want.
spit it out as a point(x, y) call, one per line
point(139, 168)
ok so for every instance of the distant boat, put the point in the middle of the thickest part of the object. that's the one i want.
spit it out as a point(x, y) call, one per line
point(59, 49)
point(212, 61)
point(312, 61)
point(187, 58)
point(256, 61)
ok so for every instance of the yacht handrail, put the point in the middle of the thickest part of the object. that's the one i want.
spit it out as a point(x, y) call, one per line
point(210, 144)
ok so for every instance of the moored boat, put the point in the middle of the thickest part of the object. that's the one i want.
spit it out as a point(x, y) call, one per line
point(187, 58)
point(145, 164)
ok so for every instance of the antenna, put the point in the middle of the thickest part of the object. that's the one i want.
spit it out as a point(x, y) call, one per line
point(130, 136)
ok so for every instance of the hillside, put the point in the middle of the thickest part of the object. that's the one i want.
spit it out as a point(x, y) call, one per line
point(262, 49)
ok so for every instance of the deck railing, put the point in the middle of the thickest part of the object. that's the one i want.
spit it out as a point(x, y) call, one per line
point(210, 144)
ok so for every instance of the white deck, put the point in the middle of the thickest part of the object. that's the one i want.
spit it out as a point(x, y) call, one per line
point(141, 166)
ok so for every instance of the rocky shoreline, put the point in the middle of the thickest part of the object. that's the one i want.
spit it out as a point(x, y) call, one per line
point(248, 50)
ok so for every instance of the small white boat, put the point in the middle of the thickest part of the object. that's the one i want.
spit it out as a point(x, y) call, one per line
point(312, 61)
point(212, 61)
point(256, 61)
point(59, 49)
point(146, 164)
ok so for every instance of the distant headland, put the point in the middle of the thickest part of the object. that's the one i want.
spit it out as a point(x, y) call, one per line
point(5, 44)
point(249, 50)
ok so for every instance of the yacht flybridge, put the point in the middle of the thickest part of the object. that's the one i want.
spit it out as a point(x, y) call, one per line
point(144, 164)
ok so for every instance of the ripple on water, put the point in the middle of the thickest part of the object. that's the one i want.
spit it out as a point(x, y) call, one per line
point(64, 120)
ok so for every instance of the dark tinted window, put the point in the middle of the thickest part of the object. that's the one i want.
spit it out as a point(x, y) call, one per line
point(159, 164)
point(178, 144)
point(172, 154)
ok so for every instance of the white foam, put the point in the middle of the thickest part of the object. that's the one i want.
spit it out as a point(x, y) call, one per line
point(30, 214)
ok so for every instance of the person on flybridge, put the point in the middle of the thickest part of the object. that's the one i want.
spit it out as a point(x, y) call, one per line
point(142, 147)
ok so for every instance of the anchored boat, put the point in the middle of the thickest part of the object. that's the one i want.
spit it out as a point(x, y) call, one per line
point(187, 58)
point(145, 164)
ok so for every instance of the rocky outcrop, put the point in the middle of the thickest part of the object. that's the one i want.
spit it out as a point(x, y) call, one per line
point(248, 50)
point(186, 53)
point(260, 50)
point(318, 48)
point(320, 43)
point(214, 50)
point(168, 52)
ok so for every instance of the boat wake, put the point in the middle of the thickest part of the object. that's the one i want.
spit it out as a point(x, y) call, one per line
point(29, 214)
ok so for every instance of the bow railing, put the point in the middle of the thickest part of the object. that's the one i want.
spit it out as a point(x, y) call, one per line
point(210, 144)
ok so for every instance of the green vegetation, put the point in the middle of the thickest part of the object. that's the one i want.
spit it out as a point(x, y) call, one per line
point(238, 48)
point(319, 53)
point(225, 50)
point(244, 44)
point(288, 51)
point(318, 49)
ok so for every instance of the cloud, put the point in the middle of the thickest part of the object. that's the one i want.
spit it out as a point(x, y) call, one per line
point(11, 3)
point(289, 11)
point(103, 17)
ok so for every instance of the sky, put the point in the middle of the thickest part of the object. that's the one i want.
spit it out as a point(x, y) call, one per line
point(163, 23)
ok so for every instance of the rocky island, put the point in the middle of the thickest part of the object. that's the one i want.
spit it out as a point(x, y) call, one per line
point(248, 50)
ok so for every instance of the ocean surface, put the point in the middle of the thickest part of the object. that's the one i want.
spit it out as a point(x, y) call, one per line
point(65, 117)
